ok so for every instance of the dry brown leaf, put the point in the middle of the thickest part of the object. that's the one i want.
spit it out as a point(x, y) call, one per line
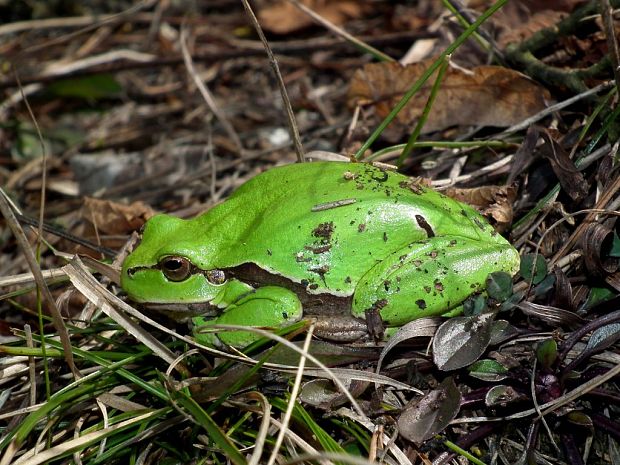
point(115, 218)
point(415, 16)
point(597, 241)
point(572, 180)
point(483, 96)
point(282, 17)
point(514, 15)
point(536, 22)
point(494, 202)
point(109, 223)
point(530, 6)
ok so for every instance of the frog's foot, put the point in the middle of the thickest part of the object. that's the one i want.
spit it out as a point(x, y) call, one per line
point(429, 277)
point(269, 306)
point(340, 328)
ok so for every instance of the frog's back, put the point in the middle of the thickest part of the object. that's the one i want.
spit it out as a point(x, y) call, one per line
point(325, 224)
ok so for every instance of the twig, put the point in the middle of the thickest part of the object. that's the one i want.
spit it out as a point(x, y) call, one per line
point(243, 49)
point(293, 398)
point(553, 108)
point(461, 10)
point(329, 42)
point(290, 116)
point(90, 23)
point(44, 158)
point(55, 69)
point(474, 174)
point(206, 95)
point(600, 205)
point(612, 42)
point(55, 23)
point(21, 239)
point(341, 32)
point(523, 53)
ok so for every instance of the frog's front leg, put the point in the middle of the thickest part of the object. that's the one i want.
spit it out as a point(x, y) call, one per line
point(269, 306)
point(430, 277)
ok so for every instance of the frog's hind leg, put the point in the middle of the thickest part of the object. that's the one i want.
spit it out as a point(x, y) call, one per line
point(269, 306)
point(430, 277)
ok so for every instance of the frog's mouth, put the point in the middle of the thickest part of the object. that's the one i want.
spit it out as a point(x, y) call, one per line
point(183, 311)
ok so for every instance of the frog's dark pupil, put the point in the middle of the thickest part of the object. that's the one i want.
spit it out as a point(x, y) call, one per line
point(173, 264)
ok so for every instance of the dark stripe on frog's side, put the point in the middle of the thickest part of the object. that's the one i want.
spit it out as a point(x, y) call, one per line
point(313, 304)
point(183, 311)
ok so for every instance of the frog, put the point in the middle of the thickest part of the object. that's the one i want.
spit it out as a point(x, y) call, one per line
point(341, 244)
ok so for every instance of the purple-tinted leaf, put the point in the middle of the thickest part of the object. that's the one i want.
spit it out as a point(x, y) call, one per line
point(460, 341)
point(431, 414)
point(501, 331)
point(422, 327)
point(323, 394)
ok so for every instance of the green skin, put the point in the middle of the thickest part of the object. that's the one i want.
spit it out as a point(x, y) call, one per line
point(327, 240)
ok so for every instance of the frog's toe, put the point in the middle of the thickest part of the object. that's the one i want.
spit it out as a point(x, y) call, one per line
point(265, 307)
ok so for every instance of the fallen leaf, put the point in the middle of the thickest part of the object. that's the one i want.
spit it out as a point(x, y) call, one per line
point(282, 17)
point(526, 14)
point(518, 21)
point(536, 22)
point(422, 327)
point(488, 370)
point(551, 315)
point(483, 96)
point(571, 179)
point(431, 414)
point(525, 6)
point(323, 394)
point(494, 202)
point(596, 243)
point(501, 395)
point(108, 223)
point(416, 16)
point(523, 157)
point(115, 218)
point(460, 341)
point(95, 87)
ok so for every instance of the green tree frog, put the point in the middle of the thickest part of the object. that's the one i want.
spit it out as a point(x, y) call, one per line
point(332, 241)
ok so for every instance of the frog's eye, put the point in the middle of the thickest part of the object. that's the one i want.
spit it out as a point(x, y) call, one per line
point(216, 277)
point(176, 268)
